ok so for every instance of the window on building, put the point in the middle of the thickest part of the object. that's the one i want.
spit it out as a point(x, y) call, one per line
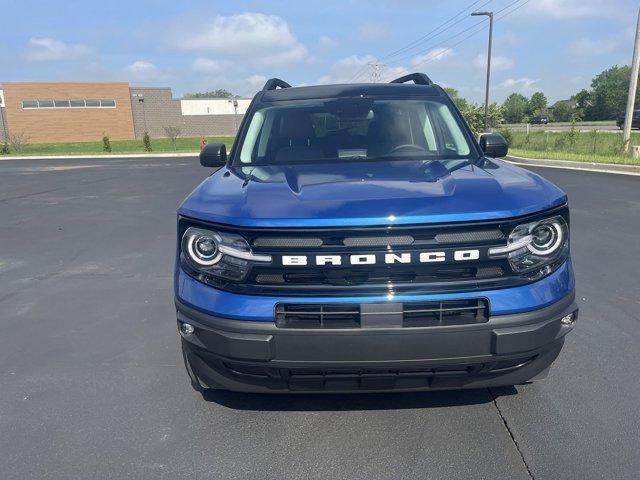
point(75, 103)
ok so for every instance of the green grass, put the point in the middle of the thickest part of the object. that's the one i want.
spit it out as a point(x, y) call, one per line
point(159, 145)
point(599, 147)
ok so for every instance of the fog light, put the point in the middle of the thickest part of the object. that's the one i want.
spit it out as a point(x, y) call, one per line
point(186, 328)
point(568, 319)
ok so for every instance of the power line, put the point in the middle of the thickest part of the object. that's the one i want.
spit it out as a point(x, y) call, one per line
point(424, 38)
point(433, 33)
point(461, 32)
point(438, 54)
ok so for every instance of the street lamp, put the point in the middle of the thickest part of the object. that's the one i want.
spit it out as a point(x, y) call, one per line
point(486, 95)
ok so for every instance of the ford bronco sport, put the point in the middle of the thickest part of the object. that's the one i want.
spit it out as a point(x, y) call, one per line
point(358, 238)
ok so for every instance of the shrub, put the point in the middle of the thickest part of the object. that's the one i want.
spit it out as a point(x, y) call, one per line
point(172, 134)
point(146, 141)
point(106, 144)
point(505, 131)
point(4, 149)
point(18, 141)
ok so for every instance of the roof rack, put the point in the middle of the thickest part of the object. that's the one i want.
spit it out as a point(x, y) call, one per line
point(417, 78)
point(274, 83)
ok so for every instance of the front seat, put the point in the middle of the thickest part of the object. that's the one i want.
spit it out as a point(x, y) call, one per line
point(297, 138)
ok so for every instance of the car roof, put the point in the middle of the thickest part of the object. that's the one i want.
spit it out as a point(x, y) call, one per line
point(351, 90)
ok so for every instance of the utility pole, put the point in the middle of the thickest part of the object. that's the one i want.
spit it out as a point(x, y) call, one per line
point(4, 123)
point(486, 94)
point(376, 71)
point(633, 85)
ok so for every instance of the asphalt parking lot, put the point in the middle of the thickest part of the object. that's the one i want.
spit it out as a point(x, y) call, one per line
point(92, 384)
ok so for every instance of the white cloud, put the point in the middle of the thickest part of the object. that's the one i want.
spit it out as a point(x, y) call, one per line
point(207, 66)
point(264, 39)
point(522, 85)
point(497, 62)
point(435, 55)
point(369, 31)
point(358, 69)
point(142, 71)
point(47, 49)
point(327, 43)
point(585, 47)
point(256, 81)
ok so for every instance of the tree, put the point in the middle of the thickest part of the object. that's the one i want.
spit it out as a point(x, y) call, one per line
point(608, 96)
point(146, 142)
point(172, 134)
point(537, 104)
point(563, 111)
point(219, 93)
point(460, 102)
point(515, 108)
point(18, 141)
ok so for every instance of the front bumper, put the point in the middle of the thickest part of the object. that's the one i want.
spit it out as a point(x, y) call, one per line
point(258, 356)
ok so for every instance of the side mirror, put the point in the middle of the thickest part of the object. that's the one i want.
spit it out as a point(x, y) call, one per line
point(494, 145)
point(213, 155)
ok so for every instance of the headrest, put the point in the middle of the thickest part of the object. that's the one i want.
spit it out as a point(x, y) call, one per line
point(296, 125)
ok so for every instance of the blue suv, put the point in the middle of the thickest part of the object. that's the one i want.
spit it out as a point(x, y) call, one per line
point(358, 238)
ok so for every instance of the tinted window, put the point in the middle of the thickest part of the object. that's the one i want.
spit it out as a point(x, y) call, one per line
point(108, 103)
point(77, 103)
point(45, 103)
point(29, 104)
point(92, 103)
point(61, 103)
point(354, 129)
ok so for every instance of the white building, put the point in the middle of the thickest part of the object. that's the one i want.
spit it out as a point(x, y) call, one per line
point(214, 106)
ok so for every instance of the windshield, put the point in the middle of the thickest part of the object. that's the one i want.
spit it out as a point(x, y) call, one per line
point(352, 129)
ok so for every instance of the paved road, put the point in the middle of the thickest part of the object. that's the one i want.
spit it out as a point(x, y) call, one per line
point(92, 384)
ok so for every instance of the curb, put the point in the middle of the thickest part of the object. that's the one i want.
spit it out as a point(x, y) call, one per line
point(570, 165)
point(100, 155)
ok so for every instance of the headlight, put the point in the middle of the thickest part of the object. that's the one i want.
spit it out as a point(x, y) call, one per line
point(221, 255)
point(535, 248)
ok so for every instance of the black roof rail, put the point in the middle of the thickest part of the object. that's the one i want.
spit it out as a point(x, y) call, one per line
point(274, 83)
point(417, 78)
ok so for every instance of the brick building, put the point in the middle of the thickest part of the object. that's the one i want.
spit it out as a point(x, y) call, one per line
point(68, 111)
point(85, 111)
point(155, 108)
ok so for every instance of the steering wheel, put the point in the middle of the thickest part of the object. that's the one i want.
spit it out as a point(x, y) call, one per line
point(410, 146)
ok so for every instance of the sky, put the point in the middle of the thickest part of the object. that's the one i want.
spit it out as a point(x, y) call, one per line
point(554, 46)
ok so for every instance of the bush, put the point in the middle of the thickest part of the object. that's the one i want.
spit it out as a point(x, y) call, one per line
point(106, 144)
point(146, 141)
point(18, 141)
point(172, 134)
point(507, 134)
point(4, 149)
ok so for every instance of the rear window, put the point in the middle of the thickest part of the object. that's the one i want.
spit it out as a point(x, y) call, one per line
point(352, 129)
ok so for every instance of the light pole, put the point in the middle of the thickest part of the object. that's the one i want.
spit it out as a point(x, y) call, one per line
point(486, 94)
point(633, 85)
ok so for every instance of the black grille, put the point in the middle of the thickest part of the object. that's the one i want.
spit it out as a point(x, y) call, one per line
point(302, 315)
point(408, 315)
point(380, 275)
point(306, 379)
point(415, 277)
point(450, 312)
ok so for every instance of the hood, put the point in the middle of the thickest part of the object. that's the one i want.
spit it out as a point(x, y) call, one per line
point(368, 194)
